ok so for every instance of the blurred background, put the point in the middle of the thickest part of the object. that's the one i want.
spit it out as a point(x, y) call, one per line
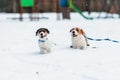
point(112, 6)
point(57, 6)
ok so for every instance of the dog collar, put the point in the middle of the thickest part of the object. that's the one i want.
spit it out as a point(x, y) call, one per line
point(42, 40)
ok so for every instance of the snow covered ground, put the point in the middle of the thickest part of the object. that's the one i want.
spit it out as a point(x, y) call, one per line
point(20, 58)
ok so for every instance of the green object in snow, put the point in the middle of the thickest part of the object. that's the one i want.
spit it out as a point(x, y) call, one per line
point(72, 6)
point(27, 3)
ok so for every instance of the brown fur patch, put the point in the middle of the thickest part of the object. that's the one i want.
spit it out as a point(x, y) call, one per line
point(80, 31)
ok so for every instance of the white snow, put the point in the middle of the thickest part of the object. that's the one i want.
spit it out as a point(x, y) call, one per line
point(20, 58)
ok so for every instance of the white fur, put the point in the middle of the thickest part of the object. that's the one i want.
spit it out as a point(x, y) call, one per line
point(45, 47)
point(79, 42)
point(44, 42)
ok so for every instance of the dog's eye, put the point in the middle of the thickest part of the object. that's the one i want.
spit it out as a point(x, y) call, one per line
point(39, 31)
point(44, 31)
point(73, 32)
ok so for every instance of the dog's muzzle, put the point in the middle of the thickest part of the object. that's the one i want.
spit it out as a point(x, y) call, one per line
point(42, 35)
point(73, 34)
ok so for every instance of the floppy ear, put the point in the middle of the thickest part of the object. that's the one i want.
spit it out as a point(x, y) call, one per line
point(82, 32)
point(78, 30)
point(47, 31)
point(71, 29)
point(37, 32)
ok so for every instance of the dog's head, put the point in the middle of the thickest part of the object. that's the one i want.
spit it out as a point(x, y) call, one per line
point(42, 32)
point(76, 31)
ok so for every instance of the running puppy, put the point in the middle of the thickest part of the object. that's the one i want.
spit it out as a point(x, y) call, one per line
point(78, 38)
point(45, 44)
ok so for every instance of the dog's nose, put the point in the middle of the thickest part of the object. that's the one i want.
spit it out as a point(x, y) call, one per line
point(41, 34)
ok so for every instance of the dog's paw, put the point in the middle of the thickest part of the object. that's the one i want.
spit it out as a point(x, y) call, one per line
point(82, 47)
point(88, 44)
point(71, 46)
point(43, 52)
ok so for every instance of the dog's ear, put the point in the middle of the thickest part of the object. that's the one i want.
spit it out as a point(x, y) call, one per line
point(71, 29)
point(78, 30)
point(82, 32)
point(47, 31)
point(37, 32)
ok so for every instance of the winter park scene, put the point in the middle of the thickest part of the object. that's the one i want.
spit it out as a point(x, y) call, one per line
point(60, 40)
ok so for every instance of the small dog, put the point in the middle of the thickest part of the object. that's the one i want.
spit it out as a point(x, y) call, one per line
point(45, 44)
point(78, 38)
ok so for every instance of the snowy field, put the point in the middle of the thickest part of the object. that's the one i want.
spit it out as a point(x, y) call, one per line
point(20, 58)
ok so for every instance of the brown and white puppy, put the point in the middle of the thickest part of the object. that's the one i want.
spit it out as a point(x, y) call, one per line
point(78, 38)
point(45, 44)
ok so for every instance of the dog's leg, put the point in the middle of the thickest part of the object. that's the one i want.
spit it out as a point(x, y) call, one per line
point(86, 40)
point(43, 51)
point(71, 46)
point(49, 50)
point(75, 47)
point(82, 47)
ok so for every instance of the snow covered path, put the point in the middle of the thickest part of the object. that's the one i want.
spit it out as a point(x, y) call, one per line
point(20, 58)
